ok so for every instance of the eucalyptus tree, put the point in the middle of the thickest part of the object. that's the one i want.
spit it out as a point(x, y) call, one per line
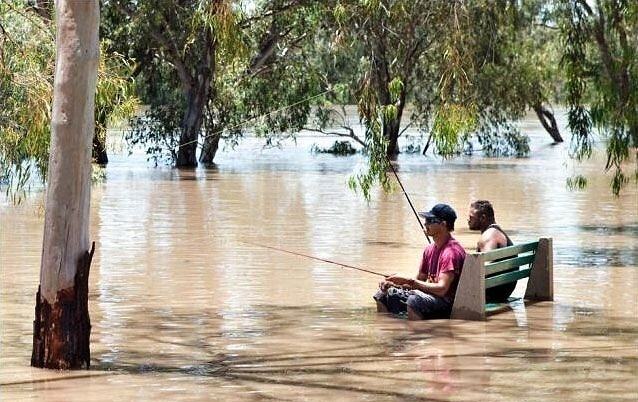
point(514, 68)
point(600, 42)
point(26, 81)
point(204, 55)
point(461, 69)
point(61, 328)
point(187, 36)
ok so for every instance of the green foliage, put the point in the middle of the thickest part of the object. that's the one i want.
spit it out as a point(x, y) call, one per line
point(340, 148)
point(26, 81)
point(27, 57)
point(256, 67)
point(466, 70)
point(599, 60)
point(577, 182)
point(575, 43)
point(115, 100)
point(158, 132)
point(451, 123)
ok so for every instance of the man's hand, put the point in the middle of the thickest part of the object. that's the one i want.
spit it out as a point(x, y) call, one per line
point(399, 281)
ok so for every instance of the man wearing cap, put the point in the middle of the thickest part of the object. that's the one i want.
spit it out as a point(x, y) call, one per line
point(431, 294)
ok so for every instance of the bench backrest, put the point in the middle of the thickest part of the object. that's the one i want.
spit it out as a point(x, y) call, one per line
point(499, 262)
point(485, 270)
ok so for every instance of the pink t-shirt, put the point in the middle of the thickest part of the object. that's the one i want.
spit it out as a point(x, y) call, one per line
point(435, 261)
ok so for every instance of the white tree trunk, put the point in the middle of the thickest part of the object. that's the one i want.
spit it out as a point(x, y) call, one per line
point(66, 226)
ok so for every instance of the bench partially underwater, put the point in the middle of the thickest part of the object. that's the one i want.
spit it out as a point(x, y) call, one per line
point(482, 271)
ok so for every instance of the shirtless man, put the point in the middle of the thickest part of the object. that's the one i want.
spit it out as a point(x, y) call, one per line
point(492, 237)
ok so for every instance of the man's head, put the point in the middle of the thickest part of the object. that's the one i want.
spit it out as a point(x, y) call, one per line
point(481, 215)
point(441, 216)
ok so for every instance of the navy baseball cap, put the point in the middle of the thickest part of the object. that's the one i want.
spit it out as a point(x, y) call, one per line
point(441, 212)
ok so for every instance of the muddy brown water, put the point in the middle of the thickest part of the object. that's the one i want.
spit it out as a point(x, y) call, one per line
point(182, 309)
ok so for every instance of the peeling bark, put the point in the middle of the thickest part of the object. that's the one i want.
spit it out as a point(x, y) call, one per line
point(61, 331)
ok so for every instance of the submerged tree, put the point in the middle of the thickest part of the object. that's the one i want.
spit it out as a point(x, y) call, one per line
point(187, 37)
point(600, 50)
point(460, 69)
point(200, 62)
point(62, 328)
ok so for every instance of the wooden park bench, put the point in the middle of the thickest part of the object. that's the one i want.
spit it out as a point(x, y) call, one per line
point(529, 260)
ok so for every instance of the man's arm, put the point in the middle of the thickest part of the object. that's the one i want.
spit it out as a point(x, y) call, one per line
point(439, 288)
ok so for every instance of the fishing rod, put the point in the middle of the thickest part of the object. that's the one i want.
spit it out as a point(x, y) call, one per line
point(314, 258)
point(408, 198)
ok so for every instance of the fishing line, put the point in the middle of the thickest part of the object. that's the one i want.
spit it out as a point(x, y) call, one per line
point(408, 198)
point(314, 258)
point(254, 118)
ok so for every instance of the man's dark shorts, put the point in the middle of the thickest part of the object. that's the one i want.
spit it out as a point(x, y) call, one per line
point(429, 307)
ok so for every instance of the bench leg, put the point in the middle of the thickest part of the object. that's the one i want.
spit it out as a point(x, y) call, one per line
point(541, 280)
point(469, 303)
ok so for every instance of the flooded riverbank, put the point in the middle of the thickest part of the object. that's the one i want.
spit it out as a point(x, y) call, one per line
point(183, 308)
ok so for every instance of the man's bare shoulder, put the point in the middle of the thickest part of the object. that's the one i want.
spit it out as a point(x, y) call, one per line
point(492, 238)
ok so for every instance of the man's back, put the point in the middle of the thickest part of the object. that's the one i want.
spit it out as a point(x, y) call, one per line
point(492, 238)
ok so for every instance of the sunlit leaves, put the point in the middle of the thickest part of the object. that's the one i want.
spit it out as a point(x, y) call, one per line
point(395, 87)
point(27, 58)
point(115, 100)
point(220, 18)
point(451, 122)
point(26, 81)
point(602, 79)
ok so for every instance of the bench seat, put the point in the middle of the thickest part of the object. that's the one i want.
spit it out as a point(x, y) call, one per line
point(533, 260)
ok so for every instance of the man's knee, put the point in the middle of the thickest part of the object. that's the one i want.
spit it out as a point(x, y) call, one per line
point(413, 315)
point(414, 302)
point(381, 308)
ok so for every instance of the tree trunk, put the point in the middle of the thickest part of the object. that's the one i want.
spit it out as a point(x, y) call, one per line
point(62, 325)
point(197, 97)
point(391, 132)
point(391, 129)
point(548, 121)
point(99, 151)
point(192, 123)
point(44, 9)
point(211, 145)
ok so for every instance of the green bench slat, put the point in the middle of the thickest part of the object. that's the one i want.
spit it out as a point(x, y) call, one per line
point(509, 251)
point(501, 266)
point(506, 278)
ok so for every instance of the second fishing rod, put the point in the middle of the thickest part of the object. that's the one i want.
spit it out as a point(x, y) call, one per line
point(416, 215)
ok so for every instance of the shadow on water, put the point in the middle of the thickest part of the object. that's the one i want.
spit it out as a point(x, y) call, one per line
point(393, 244)
point(348, 358)
point(595, 257)
point(628, 230)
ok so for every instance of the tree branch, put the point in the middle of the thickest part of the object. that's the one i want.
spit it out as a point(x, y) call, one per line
point(273, 12)
point(350, 133)
point(586, 6)
point(404, 129)
point(44, 8)
point(172, 53)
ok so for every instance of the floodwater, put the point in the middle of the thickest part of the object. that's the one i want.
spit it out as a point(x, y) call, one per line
point(183, 308)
